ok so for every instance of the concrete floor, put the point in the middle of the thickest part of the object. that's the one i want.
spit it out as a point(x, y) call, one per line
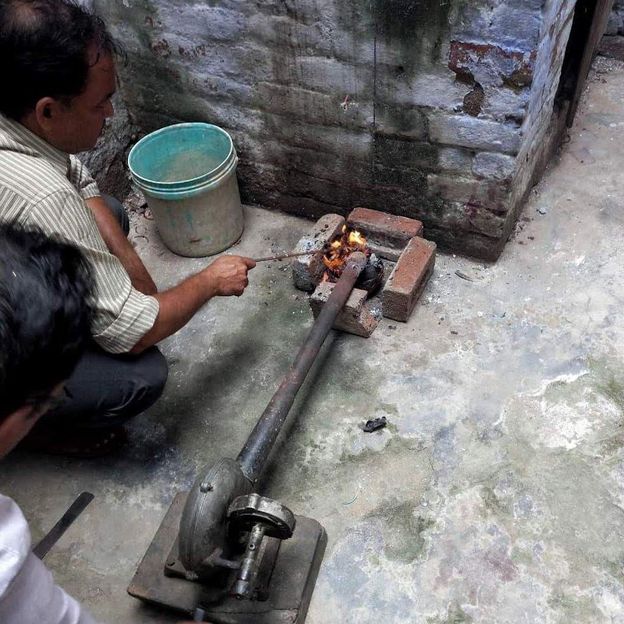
point(496, 494)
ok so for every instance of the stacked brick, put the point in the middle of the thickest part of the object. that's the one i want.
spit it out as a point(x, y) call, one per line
point(421, 109)
point(394, 238)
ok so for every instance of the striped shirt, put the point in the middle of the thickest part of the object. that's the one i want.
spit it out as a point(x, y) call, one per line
point(44, 187)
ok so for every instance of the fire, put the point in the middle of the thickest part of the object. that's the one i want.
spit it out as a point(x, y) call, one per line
point(339, 249)
point(356, 240)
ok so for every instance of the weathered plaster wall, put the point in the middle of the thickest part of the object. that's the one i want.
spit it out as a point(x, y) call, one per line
point(423, 108)
point(616, 21)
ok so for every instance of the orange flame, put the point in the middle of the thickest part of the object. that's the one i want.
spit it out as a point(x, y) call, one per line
point(339, 249)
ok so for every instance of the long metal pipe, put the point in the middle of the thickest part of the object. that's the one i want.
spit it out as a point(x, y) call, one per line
point(255, 453)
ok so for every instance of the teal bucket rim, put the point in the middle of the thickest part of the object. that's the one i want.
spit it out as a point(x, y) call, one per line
point(188, 191)
point(210, 178)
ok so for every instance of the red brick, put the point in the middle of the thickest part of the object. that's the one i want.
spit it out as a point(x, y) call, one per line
point(408, 279)
point(356, 317)
point(387, 235)
point(308, 270)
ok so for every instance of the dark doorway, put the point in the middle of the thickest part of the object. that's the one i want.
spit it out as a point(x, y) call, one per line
point(588, 25)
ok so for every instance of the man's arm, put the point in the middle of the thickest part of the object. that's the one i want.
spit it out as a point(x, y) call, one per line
point(125, 319)
point(120, 246)
point(224, 277)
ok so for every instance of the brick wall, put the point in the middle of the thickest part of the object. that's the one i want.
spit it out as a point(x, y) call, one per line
point(429, 108)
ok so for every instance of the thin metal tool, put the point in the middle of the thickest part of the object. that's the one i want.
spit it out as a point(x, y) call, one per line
point(57, 531)
point(284, 256)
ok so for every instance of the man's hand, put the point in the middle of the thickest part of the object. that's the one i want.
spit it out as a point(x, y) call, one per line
point(227, 275)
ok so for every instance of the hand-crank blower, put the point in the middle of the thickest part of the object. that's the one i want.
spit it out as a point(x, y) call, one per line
point(223, 552)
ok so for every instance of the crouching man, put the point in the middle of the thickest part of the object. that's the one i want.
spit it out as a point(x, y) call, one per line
point(58, 62)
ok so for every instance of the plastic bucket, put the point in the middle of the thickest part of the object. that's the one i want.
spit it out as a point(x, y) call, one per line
point(187, 173)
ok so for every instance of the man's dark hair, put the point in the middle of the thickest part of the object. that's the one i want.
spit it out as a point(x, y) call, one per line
point(45, 315)
point(46, 49)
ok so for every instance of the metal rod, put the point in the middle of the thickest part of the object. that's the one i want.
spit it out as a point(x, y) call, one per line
point(244, 585)
point(255, 453)
point(284, 256)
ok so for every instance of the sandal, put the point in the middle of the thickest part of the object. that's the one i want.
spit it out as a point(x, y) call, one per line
point(84, 444)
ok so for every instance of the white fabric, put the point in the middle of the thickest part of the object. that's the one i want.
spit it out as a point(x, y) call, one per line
point(28, 594)
point(14, 542)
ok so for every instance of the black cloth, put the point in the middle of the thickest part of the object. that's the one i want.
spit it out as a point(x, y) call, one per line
point(106, 390)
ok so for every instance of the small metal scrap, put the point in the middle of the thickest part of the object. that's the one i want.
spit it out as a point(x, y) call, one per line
point(374, 424)
point(464, 276)
point(355, 497)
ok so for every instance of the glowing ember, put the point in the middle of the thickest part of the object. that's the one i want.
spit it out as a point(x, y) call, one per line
point(338, 251)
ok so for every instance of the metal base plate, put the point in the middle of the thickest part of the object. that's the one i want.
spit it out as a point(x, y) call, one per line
point(290, 590)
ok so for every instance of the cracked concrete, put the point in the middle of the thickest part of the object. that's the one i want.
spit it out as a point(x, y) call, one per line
point(496, 493)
